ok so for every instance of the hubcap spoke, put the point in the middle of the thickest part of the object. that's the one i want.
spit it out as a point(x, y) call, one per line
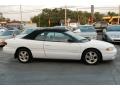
point(23, 56)
point(91, 57)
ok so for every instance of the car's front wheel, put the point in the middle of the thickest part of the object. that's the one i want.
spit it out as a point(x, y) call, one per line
point(24, 55)
point(91, 57)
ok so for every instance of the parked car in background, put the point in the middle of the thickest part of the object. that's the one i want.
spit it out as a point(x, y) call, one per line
point(87, 31)
point(27, 31)
point(100, 25)
point(7, 35)
point(2, 29)
point(12, 28)
point(112, 33)
point(64, 27)
point(57, 43)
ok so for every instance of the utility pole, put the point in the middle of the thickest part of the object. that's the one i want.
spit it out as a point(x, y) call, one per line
point(21, 14)
point(78, 16)
point(65, 15)
point(0, 15)
point(92, 13)
point(39, 19)
point(119, 14)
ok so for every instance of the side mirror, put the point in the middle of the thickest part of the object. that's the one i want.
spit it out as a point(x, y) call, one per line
point(88, 38)
point(13, 35)
point(70, 40)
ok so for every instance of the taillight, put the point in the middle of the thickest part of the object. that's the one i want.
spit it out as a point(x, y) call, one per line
point(5, 43)
point(2, 42)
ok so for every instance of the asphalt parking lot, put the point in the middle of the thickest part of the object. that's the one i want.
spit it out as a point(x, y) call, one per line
point(60, 72)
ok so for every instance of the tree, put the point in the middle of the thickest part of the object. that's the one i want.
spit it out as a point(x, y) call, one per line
point(54, 16)
point(98, 16)
point(2, 19)
point(112, 14)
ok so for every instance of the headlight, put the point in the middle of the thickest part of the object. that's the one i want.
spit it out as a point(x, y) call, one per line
point(110, 49)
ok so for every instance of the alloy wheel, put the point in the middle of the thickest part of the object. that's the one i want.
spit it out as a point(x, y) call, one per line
point(91, 57)
point(23, 56)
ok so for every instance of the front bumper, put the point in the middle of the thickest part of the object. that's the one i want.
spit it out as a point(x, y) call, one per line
point(110, 55)
point(116, 40)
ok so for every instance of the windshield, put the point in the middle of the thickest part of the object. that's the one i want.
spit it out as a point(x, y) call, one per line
point(86, 28)
point(6, 33)
point(11, 28)
point(78, 37)
point(2, 30)
point(113, 28)
point(27, 31)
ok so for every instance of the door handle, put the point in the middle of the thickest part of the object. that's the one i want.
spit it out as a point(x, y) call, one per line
point(47, 45)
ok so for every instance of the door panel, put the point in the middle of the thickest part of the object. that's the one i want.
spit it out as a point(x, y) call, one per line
point(62, 50)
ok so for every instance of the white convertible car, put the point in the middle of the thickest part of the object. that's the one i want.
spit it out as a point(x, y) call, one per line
point(53, 43)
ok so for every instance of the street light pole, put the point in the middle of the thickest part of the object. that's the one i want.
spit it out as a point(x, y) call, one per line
point(92, 13)
point(119, 14)
point(65, 15)
point(39, 20)
point(78, 16)
point(40, 17)
point(21, 14)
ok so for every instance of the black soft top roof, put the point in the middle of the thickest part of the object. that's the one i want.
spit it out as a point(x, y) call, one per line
point(38, 31)
point(53, 29)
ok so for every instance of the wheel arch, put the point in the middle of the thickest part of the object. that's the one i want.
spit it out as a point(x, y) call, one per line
point(92, 49)
point(15, 55)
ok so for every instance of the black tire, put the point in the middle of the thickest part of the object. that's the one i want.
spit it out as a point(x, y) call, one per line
point(94, 59)
point(26, 58)
point(2, 46)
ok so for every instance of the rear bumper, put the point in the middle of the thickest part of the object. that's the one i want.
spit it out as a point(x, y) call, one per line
point(8, 50)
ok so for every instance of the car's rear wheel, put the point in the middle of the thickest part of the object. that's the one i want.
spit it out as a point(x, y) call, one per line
point(24, 55)
point(91, 57)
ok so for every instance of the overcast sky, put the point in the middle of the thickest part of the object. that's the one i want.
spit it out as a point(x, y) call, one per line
point(31, 6)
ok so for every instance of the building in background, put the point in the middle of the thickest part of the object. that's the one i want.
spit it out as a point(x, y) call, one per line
point(112, 19)
point(18, 24)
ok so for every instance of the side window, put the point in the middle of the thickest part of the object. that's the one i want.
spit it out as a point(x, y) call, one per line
point(56, 37)
point(40, 37)
point(50, 36)
point(60, 37)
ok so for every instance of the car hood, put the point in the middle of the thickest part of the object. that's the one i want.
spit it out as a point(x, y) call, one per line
point(113, 33)
point(98, 44)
